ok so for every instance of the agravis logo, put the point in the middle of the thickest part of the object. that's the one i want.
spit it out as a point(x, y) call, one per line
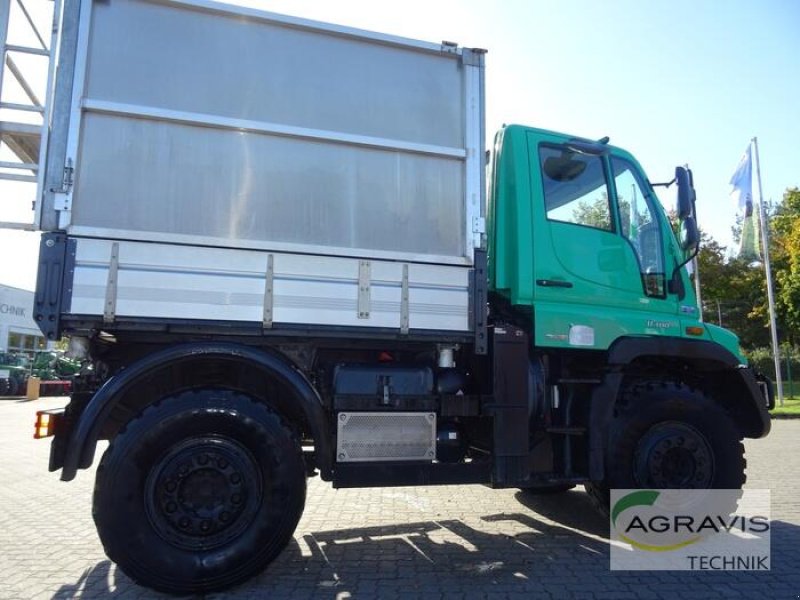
point(645, 498)
point(687, 529)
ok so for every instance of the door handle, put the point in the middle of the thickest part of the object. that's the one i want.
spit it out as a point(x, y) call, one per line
point(554, 283)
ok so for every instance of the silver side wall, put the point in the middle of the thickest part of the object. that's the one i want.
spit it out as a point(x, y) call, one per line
point(237, 128)
point(165, 281)
point(205, 135)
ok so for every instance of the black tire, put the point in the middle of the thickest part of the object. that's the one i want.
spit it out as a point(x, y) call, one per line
point(5, 387)
point(200, 492)
point(669, 436)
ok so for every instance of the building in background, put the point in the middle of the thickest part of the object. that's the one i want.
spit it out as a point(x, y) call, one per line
point(18, 331)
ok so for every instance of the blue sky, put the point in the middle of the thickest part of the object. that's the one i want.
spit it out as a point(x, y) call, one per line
point(672, 82)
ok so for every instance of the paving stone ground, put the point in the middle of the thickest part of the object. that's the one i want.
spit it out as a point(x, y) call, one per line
point(435, 542)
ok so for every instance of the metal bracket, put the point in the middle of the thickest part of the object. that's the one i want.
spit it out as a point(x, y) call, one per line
point(474, 57)
point(63, 194)
point(480, 293)
point(404, 320)
point(449, 47)
point(54, 282)
point(67, 179)
point(269, 293)
point(110, 310)
point(364, 276)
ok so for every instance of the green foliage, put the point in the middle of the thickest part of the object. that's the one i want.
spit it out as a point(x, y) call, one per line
point(786, 261)
point(596, 213)
point(762, 360)
point(791, 407)
point(735, 290)
point(734, 294)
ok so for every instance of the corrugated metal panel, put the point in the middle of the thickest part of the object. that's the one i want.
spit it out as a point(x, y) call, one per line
point(234, 128)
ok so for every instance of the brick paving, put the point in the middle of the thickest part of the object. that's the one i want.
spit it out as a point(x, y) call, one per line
point(435, 542)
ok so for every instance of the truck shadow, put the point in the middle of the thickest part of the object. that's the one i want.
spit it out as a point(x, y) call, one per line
point(499, 554)
point(573, 509)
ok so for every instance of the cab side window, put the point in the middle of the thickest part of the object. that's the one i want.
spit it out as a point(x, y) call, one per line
point(575, 188)
point(639, 225)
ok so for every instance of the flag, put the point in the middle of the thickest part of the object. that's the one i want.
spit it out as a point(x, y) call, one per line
point(742, 194)
point(742, 182)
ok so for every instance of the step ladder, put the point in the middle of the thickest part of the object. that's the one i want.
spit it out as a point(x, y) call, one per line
point(22, 100)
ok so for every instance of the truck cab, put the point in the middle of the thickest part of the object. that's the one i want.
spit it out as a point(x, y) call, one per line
point(582, 228)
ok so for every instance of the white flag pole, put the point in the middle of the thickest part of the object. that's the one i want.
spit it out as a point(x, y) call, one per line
point(762, 218)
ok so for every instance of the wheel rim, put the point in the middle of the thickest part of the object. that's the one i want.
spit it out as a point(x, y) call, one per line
point(674, 455)
point(203, 493)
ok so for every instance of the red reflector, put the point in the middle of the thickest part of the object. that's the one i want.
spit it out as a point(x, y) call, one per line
point(695, 331)
point(45, 425)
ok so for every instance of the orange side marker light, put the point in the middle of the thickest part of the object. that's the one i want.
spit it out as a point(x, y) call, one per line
point(45, 425)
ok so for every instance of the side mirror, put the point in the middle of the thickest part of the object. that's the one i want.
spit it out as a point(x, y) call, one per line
point(686, 193)
point(689, 236)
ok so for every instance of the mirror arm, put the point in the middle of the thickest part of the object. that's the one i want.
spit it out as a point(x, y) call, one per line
point(666, 185)
point(676, 275)
point(675, 285)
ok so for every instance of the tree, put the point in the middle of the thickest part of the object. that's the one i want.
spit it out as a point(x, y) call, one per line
point(596, 213)
point(735, 289)
point(785, 249)
point(734, 293)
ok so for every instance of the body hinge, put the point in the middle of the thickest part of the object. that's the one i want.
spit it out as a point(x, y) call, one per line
point(269, 293)
point(364, 277)
point(404, 317)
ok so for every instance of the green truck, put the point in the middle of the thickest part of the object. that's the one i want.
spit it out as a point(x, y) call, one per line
point(324, 273)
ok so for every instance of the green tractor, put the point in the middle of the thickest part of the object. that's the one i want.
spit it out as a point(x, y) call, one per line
point(13, 374)
point(54, 366)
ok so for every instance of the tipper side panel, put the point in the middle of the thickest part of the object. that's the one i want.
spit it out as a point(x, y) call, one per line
point(196, 124)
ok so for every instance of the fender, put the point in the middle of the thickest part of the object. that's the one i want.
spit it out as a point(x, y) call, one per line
point(625, 350)
point(79, 452)
point(709, 356)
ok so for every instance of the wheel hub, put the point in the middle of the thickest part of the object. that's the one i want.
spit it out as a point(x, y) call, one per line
point(203, 493)
point(674, 455)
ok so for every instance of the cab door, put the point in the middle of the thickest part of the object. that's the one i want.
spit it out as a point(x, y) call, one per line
point(599, 252)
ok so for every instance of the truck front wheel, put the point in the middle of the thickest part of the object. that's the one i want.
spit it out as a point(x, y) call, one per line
point(669, 436)
point(200, 492)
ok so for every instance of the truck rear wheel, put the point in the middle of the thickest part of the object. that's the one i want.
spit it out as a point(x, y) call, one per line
point(668, 436)
point(200, 492)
